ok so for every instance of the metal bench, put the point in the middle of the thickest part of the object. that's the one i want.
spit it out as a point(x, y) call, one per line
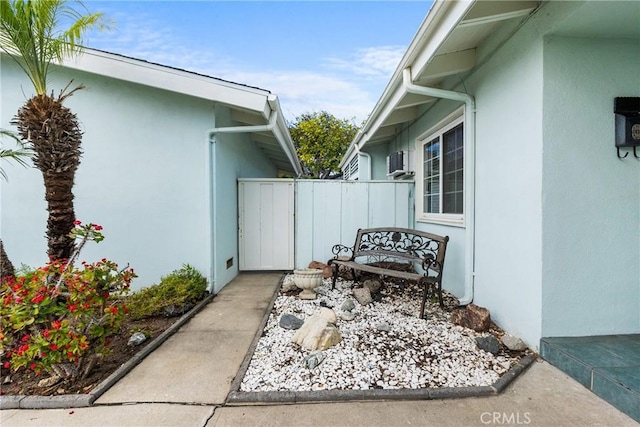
point(411, 247)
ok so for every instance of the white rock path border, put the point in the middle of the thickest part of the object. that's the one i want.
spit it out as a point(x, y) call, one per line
point(415, 354)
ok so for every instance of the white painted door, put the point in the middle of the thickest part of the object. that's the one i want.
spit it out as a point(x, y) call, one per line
point(266, 224)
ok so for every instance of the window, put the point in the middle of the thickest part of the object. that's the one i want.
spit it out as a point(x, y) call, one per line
point(441, 185)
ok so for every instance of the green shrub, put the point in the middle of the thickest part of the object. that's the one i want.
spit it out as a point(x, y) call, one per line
point(180, 288)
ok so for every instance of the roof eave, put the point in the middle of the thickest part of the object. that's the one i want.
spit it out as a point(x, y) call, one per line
point(437, 25)
point(167, 78)
point(431, 58)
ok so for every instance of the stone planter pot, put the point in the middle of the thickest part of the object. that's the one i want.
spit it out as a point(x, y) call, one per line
point(307, 279)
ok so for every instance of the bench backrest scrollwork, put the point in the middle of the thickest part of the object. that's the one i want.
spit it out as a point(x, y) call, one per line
point(412, 245)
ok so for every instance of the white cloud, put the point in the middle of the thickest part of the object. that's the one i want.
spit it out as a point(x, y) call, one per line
point(303, 91)
point(375, 62)
point(338, 87)
point(142, 37)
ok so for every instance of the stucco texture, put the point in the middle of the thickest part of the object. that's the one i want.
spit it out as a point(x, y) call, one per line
point(591, 223)
point(146, 175)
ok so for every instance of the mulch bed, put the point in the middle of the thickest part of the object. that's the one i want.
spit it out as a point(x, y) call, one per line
point(26, 382)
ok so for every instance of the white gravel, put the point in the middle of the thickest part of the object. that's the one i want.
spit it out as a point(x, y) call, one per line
point(415, 353)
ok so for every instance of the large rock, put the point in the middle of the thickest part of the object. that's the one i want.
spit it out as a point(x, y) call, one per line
point(330, 337)
point(513, 343)
point(318, 331)
point(373, 285)
point(326, 270)
point(473, 317)
point(489, 344)
point(289, 321)
point(362, 295)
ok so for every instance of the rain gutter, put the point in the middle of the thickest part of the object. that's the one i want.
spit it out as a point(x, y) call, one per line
point(469, 167)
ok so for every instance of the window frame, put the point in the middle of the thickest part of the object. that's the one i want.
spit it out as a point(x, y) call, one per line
point(437, 131)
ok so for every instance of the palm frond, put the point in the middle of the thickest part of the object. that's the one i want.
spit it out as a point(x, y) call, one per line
point(37, 33)
point(19, 155)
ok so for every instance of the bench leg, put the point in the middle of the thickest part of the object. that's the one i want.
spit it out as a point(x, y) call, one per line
point(334, 270)
point(440, 301)
point(425, 294)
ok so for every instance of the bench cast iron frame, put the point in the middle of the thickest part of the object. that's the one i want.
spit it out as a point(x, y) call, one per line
point(383, 244)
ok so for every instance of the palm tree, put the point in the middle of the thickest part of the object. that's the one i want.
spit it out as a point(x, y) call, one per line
point(36, 34)
point(18, 155)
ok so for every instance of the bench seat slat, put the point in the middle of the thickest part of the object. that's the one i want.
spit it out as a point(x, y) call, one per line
point(381, 271)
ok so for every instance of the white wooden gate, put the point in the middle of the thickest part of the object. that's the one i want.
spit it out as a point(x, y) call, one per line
point(266, 224)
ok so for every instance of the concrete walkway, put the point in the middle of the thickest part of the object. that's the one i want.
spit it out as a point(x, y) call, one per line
point(186, 380)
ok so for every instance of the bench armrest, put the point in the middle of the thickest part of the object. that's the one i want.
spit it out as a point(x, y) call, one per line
point(430, 263)
point(341, 249)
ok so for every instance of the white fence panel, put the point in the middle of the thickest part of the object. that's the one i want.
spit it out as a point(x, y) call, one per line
point(330, 212)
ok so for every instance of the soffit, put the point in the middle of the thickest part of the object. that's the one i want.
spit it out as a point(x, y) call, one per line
point(266, 141)
point(455, 55)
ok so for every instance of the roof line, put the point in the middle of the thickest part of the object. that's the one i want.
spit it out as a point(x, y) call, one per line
point(141, 62)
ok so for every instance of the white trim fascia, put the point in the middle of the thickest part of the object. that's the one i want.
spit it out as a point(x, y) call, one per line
point(442, 19)
point(171, 79)
point(434, 36)
point(281, 132)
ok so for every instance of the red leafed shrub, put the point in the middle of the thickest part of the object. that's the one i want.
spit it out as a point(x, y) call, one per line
point(59, 318)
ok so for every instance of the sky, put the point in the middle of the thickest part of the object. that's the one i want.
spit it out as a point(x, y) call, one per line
point(336, 56)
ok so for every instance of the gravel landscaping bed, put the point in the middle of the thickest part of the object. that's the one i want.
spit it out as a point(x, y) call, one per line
point(385, 346)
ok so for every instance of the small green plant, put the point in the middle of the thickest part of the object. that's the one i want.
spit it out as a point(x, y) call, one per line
point(59, 318)
point(178, 289)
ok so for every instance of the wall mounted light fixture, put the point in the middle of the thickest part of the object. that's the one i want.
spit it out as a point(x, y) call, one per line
point(627, 122)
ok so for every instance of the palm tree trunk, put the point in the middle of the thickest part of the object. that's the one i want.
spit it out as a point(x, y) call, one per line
point(53, 132)
point(6, 268)
point(59, 196)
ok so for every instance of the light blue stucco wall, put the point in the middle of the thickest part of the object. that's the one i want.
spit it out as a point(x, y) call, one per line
point(591, 223)
point(508, 91)
point(507, 275)
point(145, 176)
point(378, 155)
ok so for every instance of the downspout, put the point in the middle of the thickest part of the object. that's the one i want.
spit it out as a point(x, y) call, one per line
point(212, 142)
point(470, 165)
